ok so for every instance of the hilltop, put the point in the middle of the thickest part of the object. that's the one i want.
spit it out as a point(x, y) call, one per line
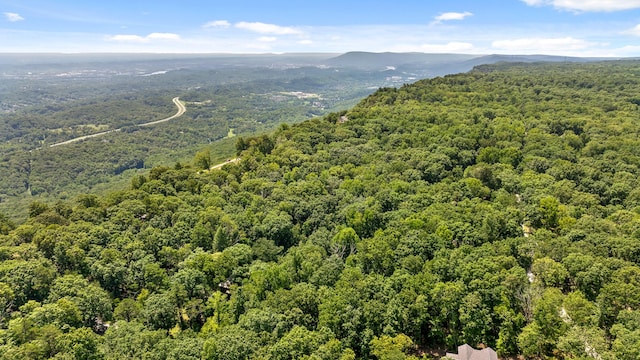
point(498, 208)
point(432, 65)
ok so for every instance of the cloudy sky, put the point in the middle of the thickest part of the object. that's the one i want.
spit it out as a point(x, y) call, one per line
point(558, 27)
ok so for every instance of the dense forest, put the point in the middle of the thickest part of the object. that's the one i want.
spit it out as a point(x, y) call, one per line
point(44, 104)
point(498, 207)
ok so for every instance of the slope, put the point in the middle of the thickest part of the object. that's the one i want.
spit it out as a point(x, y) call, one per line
point(389, 230)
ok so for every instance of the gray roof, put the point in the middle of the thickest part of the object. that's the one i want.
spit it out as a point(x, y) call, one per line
point(466, 352)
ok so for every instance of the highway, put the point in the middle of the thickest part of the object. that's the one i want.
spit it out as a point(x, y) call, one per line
point(181, 110)
point(176, 100)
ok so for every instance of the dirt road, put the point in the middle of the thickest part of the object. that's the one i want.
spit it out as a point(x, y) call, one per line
point(230, 161)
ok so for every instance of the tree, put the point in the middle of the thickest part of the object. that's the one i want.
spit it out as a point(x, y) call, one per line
point(234, 343)
point(7, 297)
point(36, 208)
point(344, 242)
point(28, 279)
point(64, 314)
point(587, 342)
point(297, 343)
point(475, 319)
point(130, 340)
point(80, 343)
point(532, 342)
point(127, 310)
point(278, 226)
point(579, 310)
point(93, 302)
point(627, 335)
point(549, 210)
point(623, 292)
point(541, 336)
point(183, 347)
point(160, 311)
point(202, 159)
point(392, 348)
point(446, 297)
point(6, 224)
point(549, 273)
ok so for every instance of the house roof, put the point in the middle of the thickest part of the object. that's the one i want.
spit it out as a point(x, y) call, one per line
point(466, 352)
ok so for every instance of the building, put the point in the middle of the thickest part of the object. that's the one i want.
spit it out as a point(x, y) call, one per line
point(466, 352)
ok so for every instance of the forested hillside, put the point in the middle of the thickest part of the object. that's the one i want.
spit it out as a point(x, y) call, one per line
point(498, 207)
point(45, 104)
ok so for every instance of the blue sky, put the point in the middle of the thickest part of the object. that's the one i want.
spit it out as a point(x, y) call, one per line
point(558, 27)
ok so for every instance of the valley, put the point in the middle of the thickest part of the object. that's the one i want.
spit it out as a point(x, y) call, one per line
point(176, 100)
point(50, 99)
point(497, 207)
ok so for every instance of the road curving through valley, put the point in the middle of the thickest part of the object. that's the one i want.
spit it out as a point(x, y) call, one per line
point(176, 100)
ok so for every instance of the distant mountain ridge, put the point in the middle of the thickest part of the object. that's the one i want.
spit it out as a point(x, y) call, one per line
point(429, 65)
point(380, 60)
point(354, 59)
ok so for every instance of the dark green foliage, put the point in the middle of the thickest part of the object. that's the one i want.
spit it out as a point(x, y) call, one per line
point(6, 224)
point(498, 207)
point(160, 311)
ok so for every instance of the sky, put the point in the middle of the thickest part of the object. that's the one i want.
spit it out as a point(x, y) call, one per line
point(554, 27)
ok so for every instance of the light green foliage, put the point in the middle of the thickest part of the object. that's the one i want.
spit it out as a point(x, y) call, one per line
point(549, 273)
point(93, 302)
point(130, 340)
point(623, 292)
point(6, 224)
point(79, 344)
point(627, 335)
point(540, 337)
point(579, 310)
point(297, 343)
point(202, 160)
point(549, 212)
point(392, 348)
point(344, 243)
point(586, 343)
point(127, 310)
point(234, 343)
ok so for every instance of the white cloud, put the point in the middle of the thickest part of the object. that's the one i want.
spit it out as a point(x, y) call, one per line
point(126, 38)
point(217, 24)
point(267, 38)
point(13, 17)
point(144, 39)
point(587, 5)
point(451, 47)
point(563, 45)
point(633, 31)
point(263, 28)
point(560, 39)
point(534, 2)
point(628, 50)
point(163, 36)
point(452, 16)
